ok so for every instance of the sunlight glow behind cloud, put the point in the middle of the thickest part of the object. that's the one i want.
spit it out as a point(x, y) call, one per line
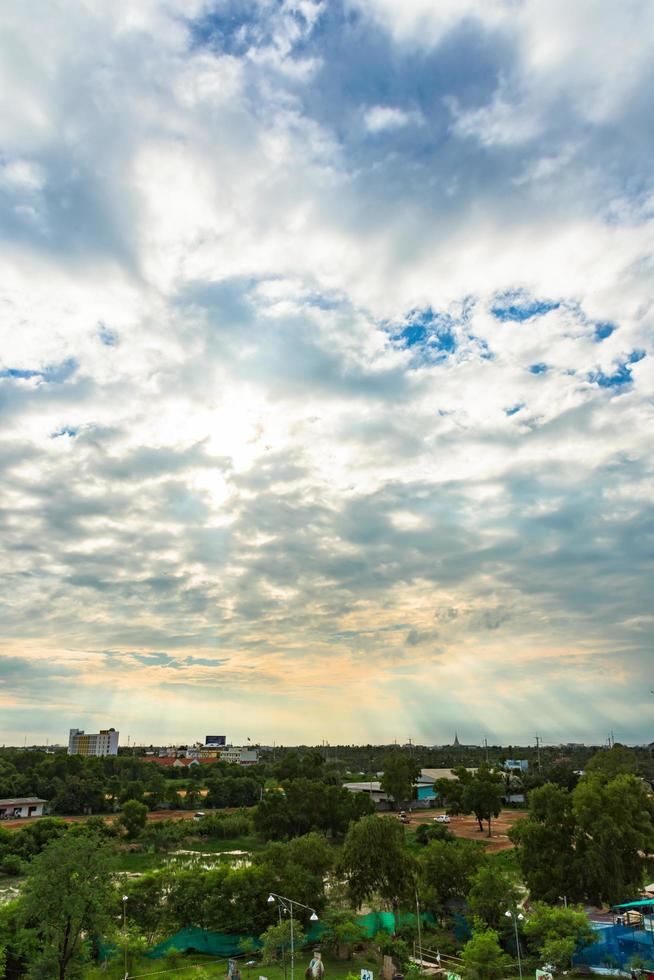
point(326, 369)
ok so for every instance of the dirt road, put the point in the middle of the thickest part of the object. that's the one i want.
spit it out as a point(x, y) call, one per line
point(468, 828)
point(154, 815)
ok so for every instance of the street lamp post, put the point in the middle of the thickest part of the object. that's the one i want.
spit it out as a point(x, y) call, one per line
point(419, 930)
point(515, 916)
point(288, 904)
point(125, 898)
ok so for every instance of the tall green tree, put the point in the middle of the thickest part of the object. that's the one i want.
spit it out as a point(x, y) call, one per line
point(483, 956)
point(399, 775)
point(134, 817)
point(556, 933)
point(589, 845)
point(447, 870)
point(614, 832)
point(277, 940)
point(546, 845)
point(375, 860)
point(616, 761)
point(482, 795)
point(68, 895)
point(492, 891)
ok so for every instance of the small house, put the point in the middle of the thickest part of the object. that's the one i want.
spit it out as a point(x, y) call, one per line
point(26, 806)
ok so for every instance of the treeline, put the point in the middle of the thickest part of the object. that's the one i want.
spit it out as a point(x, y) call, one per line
point(71, 894)
point(592, 842)
point(76, 784)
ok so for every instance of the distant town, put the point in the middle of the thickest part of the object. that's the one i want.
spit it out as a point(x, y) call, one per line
point(453, 861)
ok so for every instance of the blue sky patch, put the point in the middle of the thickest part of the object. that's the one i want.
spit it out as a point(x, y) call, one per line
point(52, 373)
point(540, 368)
point(517, 306)
point(66, 430)
point(18, 373)
point(107, 337)
point(621, 375)
point(514, 409)
point(429, 334)
point(603, 330)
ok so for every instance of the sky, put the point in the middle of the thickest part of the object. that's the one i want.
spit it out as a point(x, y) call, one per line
point(326, 370)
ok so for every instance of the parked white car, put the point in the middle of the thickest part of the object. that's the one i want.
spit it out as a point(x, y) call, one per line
point(442, 818)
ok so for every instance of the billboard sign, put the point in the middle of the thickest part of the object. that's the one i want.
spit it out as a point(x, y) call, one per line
point(215, 740)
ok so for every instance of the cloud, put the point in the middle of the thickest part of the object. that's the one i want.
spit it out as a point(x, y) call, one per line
point(326, 367)
point(380, 117)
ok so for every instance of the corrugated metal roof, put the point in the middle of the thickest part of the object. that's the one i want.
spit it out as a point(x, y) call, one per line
point(22, 801)
point(641, 903)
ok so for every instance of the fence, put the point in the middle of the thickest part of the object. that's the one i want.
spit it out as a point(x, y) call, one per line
point(618, 946)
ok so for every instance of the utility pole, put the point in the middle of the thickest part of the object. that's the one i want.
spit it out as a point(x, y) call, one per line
point(537, 737)
point(486, 747)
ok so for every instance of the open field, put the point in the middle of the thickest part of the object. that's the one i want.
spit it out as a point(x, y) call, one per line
point(468, 828)
point(153, 815)
point(334, 969)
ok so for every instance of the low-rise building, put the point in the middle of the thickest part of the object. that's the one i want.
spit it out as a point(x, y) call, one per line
point(104, 742)
point(424, 794)
point(240, 755)
point(22, 806)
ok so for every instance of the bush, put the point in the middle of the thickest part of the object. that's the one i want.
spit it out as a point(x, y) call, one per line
point(398, 949)
point(11, 864)
point(225, 826)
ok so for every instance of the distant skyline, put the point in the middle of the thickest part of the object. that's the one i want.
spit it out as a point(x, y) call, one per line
point(326, 374)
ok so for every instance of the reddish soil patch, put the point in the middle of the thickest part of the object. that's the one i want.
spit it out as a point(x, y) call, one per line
point(154, 815)
point(468, 828)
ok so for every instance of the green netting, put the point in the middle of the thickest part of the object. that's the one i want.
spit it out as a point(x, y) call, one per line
point(222, 944)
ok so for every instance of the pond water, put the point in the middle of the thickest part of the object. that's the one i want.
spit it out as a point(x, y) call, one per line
point(9, 889)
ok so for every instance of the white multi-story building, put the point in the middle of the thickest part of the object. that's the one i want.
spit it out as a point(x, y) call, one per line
point(239, 755)
point(105, 742)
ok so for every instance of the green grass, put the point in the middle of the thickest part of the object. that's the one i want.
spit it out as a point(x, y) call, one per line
point(9, 886)
point(140, 862)
point(507, 860)
point(249, 844)
point(188, 968)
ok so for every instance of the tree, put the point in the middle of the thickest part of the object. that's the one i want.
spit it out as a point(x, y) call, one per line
point(131, 943)
point(134, 817)
point(400, 773)
point(556, 933)
point(491, 892)
point(450, 791)
point(147, 904)
point(68, 895)
point(609, 763)
point(482, 955)
point(428, 832)
point(375, 860)
point(546, 845)
point(446, 871)
point(613, 834)
point(342, 931)
point(277, 939)
point(589, 844)
point(483, 797)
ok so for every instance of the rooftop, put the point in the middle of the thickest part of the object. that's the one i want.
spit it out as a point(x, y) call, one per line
point(22, 801)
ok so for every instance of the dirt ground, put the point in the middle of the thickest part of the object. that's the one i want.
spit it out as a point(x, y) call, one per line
point(154, 815)
point(468, 828)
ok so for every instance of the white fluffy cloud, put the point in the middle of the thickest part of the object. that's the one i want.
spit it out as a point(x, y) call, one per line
point(325, 366)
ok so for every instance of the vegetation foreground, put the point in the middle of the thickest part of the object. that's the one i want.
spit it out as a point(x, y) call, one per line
point(91, 899)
